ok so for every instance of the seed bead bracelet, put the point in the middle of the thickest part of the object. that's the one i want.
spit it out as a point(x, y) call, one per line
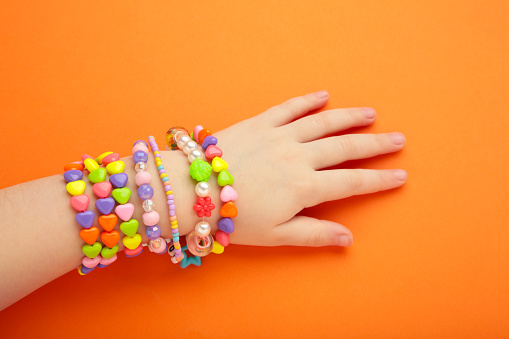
point(143, 180)
point(73, 175)
point(224, 179)
point(199, 242)
point(174, 246)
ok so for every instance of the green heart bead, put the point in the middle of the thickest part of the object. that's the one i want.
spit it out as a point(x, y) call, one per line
point(121, 195)
point(224, 178)
point(99, 175)
point(92, 251)
point(108, 253)
point(129, 227)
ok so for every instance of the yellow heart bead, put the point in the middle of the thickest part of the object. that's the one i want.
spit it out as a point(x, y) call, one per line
point(91, 165)
point(217, 248)
point(115, 167)
point(219, 164)
point(99, 159)
point(132, 242)
point(76, 187)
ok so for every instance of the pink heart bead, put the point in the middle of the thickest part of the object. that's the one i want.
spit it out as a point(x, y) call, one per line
point(212, 152)
point(228, 194)
point(106, 262)
point(102, 189)
point(150, 218)
point(125, 212)
point(80, 202)
point(90, 263)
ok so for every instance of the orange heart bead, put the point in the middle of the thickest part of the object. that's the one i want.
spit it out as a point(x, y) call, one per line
point(73, 166)
point(108, 221)
point(110, 239)
point(89, 235)
point(203, 133)
point(229, 210)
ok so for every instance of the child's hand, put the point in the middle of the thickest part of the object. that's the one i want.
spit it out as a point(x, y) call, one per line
point(276, 165)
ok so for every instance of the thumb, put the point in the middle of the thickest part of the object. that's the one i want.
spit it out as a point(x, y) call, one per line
point(306, 231)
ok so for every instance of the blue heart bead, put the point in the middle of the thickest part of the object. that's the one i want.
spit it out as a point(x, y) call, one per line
point(105, 206)
point(119, 180)
point(85, 219)
point(73, 175)
point(226, 225)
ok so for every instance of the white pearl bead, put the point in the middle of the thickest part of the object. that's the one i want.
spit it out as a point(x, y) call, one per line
point(182, 141)
point(202, 229)
point(195, 154)
point(189, 146)
point(202, 189)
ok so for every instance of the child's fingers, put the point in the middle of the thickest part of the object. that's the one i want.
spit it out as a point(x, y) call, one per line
point(335, 150)
point(295, 107)
point(344, 183)
point(306, 231)
point(327, 122)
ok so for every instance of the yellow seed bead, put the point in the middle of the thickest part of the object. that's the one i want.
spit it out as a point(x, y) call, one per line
point(156, 152)
point(168, 193)
point(163, 175)
point(174, 222)
point(171, 192)
point(174, 227)
point(177, 246)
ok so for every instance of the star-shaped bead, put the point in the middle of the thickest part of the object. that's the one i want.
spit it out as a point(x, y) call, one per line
point(186, 261)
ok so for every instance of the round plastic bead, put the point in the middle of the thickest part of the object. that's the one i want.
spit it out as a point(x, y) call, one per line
point(202, 229)
point(143, 178)
point(157, 246)
point(140, 156)
point(150, 218)
point(202, 189)
point(195, 154)
point(153, 232)
point(189, 146)
point(145, 192)
point(140, 142)
point(139, 147)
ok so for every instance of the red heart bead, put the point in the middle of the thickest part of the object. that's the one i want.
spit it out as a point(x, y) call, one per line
point(102, 189)
point(80, 202)
point(213, 151)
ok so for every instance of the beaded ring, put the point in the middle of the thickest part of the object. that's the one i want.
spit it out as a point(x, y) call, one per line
point(73, 175)
point(174, 246)
point(143, 180)
point(224, 179)
point(199, 242)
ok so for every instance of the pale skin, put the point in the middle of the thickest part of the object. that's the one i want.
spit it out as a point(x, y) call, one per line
point(276, 159)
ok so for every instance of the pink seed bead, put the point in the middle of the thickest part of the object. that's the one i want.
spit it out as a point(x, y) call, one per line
point(169, 196)
point(143, 177)
point(167, 188)
point(150, 218)
point(140, 147)
point(171, 202)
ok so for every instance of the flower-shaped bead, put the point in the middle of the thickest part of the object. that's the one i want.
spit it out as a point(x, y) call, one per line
point(203, 207)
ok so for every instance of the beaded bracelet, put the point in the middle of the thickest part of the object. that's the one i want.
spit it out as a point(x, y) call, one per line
point(143, 180)
point(199, 242)
point(174, 246)
point(73, 175)
point(224, 179)
point(104, 204)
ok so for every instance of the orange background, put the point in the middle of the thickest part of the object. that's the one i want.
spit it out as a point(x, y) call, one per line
point(429, 259)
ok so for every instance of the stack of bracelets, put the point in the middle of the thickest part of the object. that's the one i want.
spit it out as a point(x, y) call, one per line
point(199, 147)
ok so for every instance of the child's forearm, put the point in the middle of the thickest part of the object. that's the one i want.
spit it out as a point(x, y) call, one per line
point(40, 237)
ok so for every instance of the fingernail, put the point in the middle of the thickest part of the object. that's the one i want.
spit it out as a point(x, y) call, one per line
point(345, 240)
point(369, 112)
point(401, 175)
point(398, 138)
point(322, 94)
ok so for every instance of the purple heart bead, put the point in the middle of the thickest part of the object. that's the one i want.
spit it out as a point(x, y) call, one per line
point(73, 175)
point(226, 225)
point(105, 206)
point(209, 140)
point(85, 269)
point(85, 219)
point(119, 180)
